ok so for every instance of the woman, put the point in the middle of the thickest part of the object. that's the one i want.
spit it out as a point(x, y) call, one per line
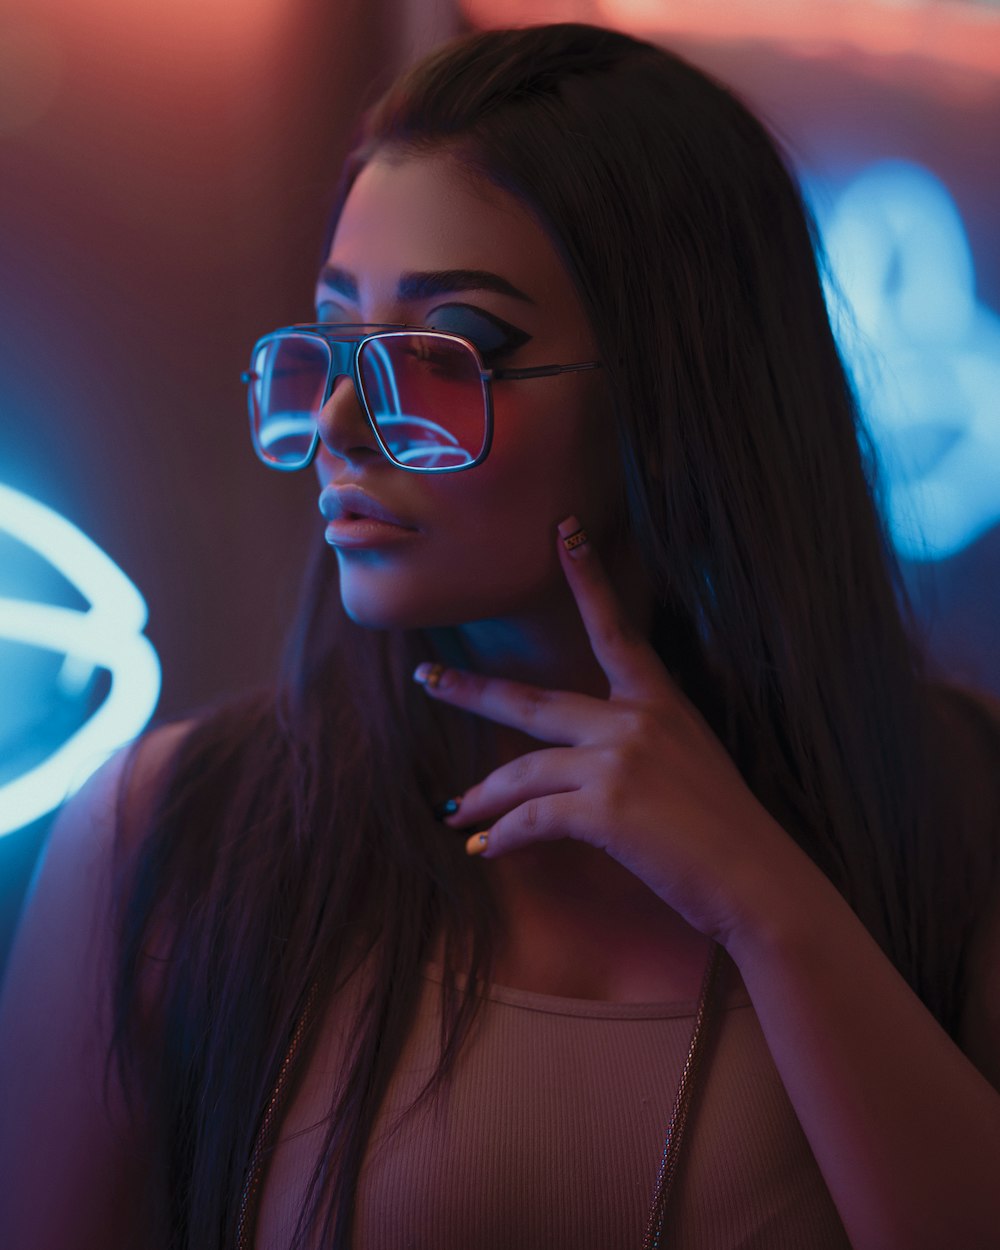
point(669, 741)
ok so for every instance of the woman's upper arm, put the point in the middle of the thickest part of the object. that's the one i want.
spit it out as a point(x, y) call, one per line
point(70, 1160)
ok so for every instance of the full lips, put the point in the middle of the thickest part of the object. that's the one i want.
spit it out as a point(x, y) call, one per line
point(365, 531)
point(349, 503)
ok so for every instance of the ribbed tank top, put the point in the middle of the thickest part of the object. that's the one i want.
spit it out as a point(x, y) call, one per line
point(550, 1133)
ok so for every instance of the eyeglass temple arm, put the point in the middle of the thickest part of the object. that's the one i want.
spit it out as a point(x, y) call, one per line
point(493, 375)
point(538, 371)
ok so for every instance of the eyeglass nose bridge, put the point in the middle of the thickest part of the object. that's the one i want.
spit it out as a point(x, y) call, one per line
point(344, 357)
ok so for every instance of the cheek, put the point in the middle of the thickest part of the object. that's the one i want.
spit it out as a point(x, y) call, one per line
point(546, 463)
point(562, 453)
point(489, 541)
point(501, 536)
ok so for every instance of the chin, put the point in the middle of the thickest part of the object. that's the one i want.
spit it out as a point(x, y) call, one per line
point(379, 594)
point(390, 607)
point(379, 616)
point(389, 603)
point(376, 614)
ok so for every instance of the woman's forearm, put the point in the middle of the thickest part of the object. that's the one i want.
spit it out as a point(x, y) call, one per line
point(905, 1130)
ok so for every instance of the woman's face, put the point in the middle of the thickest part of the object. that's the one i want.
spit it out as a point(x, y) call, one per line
point(478, 544)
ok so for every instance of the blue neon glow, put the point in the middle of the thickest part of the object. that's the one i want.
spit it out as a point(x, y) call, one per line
point(107, 634)
point(385, 377)
point(925, 354)
point(284, 425)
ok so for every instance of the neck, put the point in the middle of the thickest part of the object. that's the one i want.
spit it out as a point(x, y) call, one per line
point(557, 897)
point(546, 644)
point(548, 647)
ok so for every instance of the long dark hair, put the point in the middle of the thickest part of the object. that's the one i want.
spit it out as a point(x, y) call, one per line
point(293, 837)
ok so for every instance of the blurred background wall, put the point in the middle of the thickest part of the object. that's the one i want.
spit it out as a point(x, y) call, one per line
point(165, 171)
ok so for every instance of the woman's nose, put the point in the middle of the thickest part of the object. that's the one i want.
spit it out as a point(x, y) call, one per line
point(344, 428)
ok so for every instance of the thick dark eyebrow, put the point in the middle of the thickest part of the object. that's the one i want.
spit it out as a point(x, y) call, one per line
point(339, 280)
point(418, 286)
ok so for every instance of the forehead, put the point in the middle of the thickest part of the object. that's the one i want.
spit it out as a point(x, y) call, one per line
point(428, 213)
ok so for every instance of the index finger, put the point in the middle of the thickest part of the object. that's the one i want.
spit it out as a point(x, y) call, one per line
point(631, 665)
point(557, 716)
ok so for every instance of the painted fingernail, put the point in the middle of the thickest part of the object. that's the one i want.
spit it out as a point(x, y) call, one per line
point(428, 674)
point(448, 808)
point(572, 534)
point(477, 844)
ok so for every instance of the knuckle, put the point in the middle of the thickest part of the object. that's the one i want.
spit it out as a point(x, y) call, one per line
point(532, 701)
point(608, 634)
point(623, 762)
point(627, 631)
point(617, 782)
point(618, 631)
point(535, 818)
point(523, 768)
point(637, 726)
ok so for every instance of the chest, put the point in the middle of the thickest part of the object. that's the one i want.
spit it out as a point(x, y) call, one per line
point(550, 1135)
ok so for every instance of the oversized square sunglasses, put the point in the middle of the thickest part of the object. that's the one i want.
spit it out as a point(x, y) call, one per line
point(426, 393)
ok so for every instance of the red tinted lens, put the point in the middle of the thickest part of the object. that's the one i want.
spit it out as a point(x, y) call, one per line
point(426, 397)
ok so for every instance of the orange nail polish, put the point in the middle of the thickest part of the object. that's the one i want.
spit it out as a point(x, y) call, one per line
point(477, 844)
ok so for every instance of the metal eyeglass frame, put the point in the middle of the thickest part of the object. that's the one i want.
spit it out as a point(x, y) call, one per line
point(340, 339)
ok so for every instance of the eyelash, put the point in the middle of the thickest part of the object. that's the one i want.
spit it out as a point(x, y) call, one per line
point(498, 353)
point(514, 338)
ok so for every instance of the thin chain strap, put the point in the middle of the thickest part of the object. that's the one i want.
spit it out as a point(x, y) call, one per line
point(269, 1122)
point(682, 1105)
point(671, 1146)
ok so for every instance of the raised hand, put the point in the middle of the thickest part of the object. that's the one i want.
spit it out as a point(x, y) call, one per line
point(638, 774)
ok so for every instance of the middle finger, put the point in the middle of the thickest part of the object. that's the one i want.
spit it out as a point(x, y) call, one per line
point(554, 770)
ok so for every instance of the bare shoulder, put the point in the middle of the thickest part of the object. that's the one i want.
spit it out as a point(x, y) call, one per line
point(68, 1153)
point(139, 775)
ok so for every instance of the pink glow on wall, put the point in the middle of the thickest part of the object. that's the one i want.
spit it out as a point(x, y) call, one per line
point(194, 29)
point(962, 35)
